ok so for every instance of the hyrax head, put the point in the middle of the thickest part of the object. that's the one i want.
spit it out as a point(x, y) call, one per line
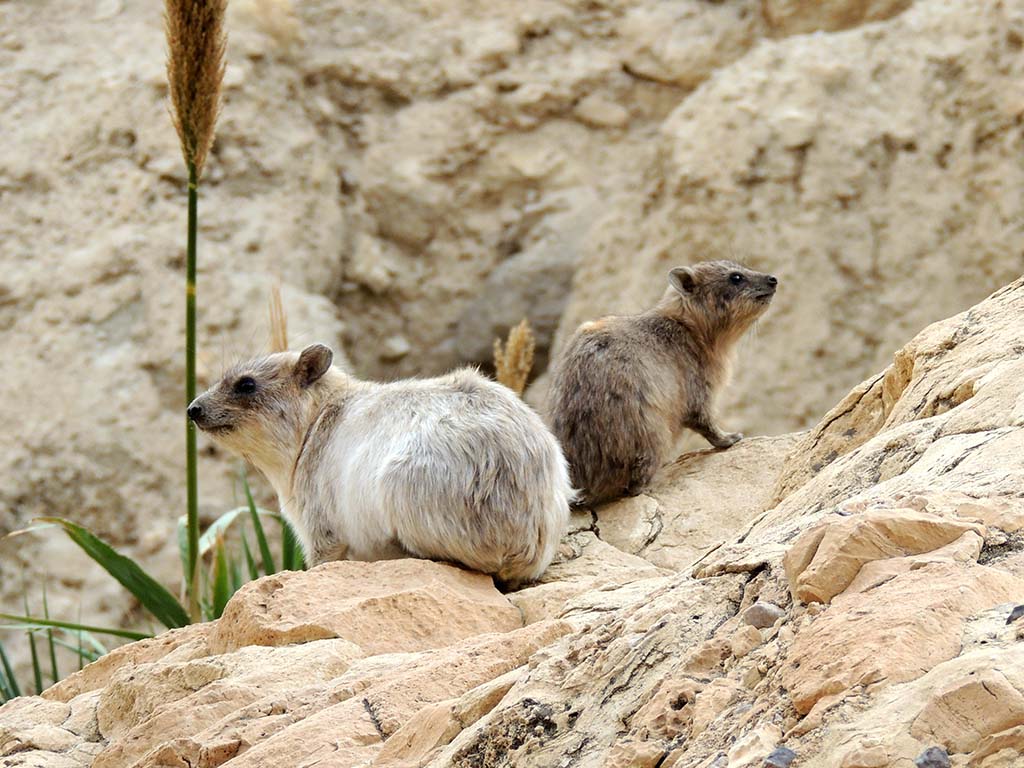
point(727, 295)
point(261, 408)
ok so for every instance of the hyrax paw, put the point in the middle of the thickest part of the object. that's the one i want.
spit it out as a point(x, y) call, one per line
point(729, 440)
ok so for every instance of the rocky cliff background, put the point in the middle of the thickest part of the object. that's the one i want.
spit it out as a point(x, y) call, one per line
point(420, 176)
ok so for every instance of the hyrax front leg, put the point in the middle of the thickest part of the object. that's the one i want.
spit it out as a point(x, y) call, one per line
point(325, 551)
point(702, 423)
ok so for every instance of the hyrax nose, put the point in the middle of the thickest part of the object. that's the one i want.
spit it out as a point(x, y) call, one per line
point(195, 412)
point(772, 280)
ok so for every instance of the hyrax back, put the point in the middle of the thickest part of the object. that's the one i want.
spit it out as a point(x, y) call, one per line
point(624, 388)
point(455, 468)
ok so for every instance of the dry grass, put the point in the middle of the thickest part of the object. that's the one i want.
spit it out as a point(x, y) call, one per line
point(278, 321)
point(196, 44)
point(513, 361)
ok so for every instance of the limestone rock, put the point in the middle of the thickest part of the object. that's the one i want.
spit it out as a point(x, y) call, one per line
point(696, 502)
point(893, 633)
point(414, 605)
point(586, 565)
point(826, 559)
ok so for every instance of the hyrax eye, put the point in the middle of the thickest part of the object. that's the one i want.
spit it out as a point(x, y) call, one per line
point(735, 278)
point(245, 386)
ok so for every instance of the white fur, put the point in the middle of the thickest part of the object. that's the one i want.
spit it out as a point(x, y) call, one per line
point(452, 468)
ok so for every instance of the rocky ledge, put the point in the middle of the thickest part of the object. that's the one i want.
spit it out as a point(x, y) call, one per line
point(843, 597)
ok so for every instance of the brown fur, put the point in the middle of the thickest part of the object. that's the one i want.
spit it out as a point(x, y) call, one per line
point(624, 388)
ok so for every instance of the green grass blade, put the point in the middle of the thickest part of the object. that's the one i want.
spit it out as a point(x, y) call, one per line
point(81, 639)
point(10, 683)
point(288, 546)
point(249, 561)
point(235, 569)
point(217, 528)
point(221, 587)
point(37, 674)
point(97, 646)
point(34, 623)
point(261, 539)
point(153, 596)
point(49, 639)
point(37, 671)
point(82, 652)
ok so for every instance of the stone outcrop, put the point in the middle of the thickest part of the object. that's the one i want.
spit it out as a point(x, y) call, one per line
point(863, 617)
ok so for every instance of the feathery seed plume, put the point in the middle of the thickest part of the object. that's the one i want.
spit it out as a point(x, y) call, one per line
point(278, 321)
point(196, 44)
point(512, 363)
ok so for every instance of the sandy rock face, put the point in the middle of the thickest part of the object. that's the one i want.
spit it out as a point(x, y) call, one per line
point(382, 607)
point(871, 617)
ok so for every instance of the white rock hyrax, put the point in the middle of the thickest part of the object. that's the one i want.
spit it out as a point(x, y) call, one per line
point(453, 468)
point(624, 388)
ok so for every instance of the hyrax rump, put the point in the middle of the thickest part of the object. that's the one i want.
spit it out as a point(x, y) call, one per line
point(624, 388)
point(453, 468)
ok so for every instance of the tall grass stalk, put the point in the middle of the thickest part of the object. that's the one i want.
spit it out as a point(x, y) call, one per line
point(196, 45)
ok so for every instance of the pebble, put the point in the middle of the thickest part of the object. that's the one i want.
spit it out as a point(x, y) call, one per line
point(933, 757)
point(763, 615)
point(1015, 614)
point(780, 757)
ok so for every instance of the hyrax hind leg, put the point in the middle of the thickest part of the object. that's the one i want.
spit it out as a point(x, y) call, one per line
point(702, 423)
point(641, 472)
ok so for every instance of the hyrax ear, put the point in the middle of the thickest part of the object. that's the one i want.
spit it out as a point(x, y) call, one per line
point(682, 279)
point(313, 363)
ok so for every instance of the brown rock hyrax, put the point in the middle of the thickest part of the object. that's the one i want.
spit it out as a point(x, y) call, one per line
point(453, 468)
point(624, 388)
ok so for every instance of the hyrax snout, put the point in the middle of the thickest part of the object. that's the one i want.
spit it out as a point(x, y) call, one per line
point(452, 468)
point(624, 388)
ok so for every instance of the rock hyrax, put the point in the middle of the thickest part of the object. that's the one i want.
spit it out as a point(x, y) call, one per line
point(453, 468)
point(624, 388)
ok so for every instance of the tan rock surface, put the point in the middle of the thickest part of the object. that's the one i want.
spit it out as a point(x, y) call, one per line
point(825, 560)
point(383, 607)
point(698, 501)
point(892, 633)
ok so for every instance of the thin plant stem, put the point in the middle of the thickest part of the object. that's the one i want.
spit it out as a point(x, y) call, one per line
point(190, 394)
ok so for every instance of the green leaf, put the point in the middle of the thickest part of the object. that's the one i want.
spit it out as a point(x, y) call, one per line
point(249, 561)
point(97, 646)
point(221, 587)
point(292, 557)
point(34, 623)
point(156, 599)
point(7, 679)
point(235, 569)
point(261, 539)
